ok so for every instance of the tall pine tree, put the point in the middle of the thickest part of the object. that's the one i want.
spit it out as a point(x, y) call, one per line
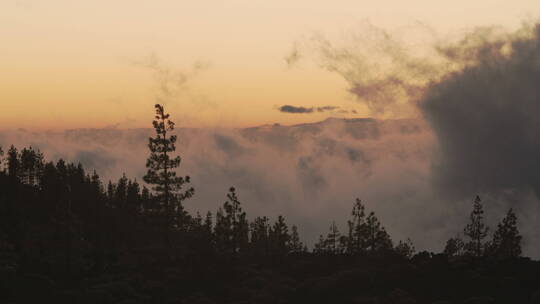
point(162, 176)
point(506, 239)
point(476, 230)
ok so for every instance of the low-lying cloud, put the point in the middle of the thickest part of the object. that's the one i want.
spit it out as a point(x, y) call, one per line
point(311, 173)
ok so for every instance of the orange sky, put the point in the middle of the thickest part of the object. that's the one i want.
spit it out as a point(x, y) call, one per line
point(71, 64)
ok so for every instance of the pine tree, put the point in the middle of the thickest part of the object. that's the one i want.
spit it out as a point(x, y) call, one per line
point(405, 249)
point(296, 245)
point(332, 239)
point(120, 194)
point(355, 240)
point(207, 225)
point(279, 237)
point(454, 247)
point(13, 162)
point(238, 224)
point(161, 173)
point(133, 199)
point(223, 232)
point(259, 241)
point(506, 239)
point(476, 230)
point(321, 247)
point(377, 239)
point(31, 166)
point(2, 162)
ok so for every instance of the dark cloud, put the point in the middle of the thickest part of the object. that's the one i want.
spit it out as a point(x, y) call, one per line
point(294, 109)
point(304, 110)
point(326, 108)
point(485, 116)
point(228, 145)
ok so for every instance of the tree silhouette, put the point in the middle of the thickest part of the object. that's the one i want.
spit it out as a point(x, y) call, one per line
point(321, 246)
point(296, 245)
point(506, 239)
point(260, 239)
point(355, 241)
point(377, 239)
point(454, 247)
point(2, 162)
point(31, 166)
point(13, 162)
point(162, 175)
point(279, 237)
point(476, 230)
point(405, 249)
point(332, 242)
point(232, 229)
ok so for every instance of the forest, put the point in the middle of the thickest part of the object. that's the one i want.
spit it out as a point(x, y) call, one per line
point(66, 236)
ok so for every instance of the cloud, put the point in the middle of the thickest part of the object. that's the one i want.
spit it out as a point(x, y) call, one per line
point(383, 70)
point(485, 115)
point(170, 82)
point(294, 109)
point(304, 110)
point(293, 57)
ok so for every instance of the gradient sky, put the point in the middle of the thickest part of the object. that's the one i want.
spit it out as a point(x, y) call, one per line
point(72, 64)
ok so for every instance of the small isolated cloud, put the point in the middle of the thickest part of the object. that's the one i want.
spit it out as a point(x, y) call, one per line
point(170, 81)
point(326, 108)
point(304, 110)
point(293, 57)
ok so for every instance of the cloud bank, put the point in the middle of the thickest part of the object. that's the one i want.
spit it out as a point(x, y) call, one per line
point(311, 173)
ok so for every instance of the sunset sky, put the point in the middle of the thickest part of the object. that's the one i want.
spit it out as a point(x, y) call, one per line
point(73, 64)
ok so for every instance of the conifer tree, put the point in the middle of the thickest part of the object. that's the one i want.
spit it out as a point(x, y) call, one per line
point(31, 166)
point(279, 237)
point(2, 162)
point(120, 194)
point(405, 249)
point(208, 225)
point(133, 201)
point(377, 239)
point(476, 230)
point(13, 162)
point(454, 247)
point(321, 246)
point(239, 229)
point(162, 175)
point(332, 239)
point(355, 240)
point(506, 239)
point(259, 241)
point(223, 232)
point(296, 245)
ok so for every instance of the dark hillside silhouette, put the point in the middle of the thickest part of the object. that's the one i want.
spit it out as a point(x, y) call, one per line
point(66, 236)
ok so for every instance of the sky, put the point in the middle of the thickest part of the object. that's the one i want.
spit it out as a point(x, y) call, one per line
point(79, 64)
